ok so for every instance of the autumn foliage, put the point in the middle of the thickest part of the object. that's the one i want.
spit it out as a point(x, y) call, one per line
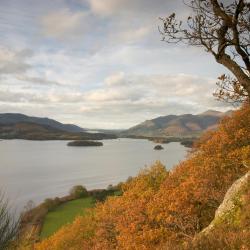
point(159, 208)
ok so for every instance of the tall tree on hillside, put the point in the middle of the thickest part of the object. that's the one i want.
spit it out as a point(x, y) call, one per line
point(223, 29)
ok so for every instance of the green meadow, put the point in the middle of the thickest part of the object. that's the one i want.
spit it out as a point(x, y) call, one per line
point(64, 214)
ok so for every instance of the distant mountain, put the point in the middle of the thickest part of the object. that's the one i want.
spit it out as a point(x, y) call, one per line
point(34, 131)
point(215, 113)
point(15, 118)
point(186, 125)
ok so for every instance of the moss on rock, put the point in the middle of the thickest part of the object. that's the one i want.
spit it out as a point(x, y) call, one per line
point(230, 210)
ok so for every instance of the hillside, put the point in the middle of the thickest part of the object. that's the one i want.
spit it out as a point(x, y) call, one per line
point(34, 131)
point(186, 125)
point(15, 118)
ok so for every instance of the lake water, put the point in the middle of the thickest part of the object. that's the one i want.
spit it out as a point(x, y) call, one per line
point(35, 170)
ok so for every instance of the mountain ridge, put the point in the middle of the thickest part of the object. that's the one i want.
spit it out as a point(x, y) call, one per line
point(15, 118)
point(186, 125)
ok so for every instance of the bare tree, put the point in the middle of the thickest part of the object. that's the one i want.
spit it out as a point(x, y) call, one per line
point(223, 29)
point(8, 224)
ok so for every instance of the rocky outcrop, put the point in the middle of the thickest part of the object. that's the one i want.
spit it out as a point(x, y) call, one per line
point(229, 212)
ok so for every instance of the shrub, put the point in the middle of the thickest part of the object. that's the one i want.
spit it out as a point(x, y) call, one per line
point(51, 204)
point(8, 225)
point(78, 192)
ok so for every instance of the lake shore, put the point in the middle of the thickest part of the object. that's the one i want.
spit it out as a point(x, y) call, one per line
point(33, 221)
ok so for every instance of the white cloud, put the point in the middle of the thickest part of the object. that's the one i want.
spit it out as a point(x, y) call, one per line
point(153, 89)
point(13, 62)
point(37, 80)
point(105, 7)
point(116, 78)
point(130, 34)
point(114, 7)
point(63, 23)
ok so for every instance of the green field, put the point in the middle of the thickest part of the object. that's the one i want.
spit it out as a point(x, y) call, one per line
point(64, 214)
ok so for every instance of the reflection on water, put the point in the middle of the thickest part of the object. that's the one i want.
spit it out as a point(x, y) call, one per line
point(35, 170)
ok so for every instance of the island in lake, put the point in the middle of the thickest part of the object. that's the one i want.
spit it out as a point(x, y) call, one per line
point(84, 143)
point(158, 147)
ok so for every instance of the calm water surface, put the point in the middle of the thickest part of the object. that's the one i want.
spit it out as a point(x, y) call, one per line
point(35, 170)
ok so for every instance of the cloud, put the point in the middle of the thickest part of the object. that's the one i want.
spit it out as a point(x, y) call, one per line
point(155, 90)
point(113, 7)
point(14, 62)
point(63, 23)
point(129, 21)
point(116, 78)
point(136, 97)
point(105, 7)
point(37, 80)
point(10, 96)
point(130, 34)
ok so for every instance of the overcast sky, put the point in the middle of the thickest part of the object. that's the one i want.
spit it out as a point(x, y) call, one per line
point(99, 63)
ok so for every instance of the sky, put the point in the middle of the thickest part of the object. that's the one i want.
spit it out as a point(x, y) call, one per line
point(100, 63)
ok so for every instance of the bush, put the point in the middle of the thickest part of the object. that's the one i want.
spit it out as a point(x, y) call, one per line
point(78, 192)
point(8, 225)
point(51, 204)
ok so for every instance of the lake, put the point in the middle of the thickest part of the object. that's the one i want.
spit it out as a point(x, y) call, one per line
point(35, 170)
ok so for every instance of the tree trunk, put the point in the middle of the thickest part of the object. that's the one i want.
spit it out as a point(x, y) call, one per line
point(241, 76)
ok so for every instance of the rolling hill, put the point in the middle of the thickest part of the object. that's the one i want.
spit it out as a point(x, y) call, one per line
point(186, 125)
point(19, 126)
point(15, 118)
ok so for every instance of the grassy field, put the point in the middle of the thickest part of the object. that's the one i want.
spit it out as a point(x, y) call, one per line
point(64, 214)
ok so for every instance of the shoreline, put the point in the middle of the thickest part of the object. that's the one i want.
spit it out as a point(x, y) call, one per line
point(32, 220)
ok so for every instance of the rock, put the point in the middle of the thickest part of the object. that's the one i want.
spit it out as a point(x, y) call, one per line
point(82, 143)
point(158, 147)
point(230, 209)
